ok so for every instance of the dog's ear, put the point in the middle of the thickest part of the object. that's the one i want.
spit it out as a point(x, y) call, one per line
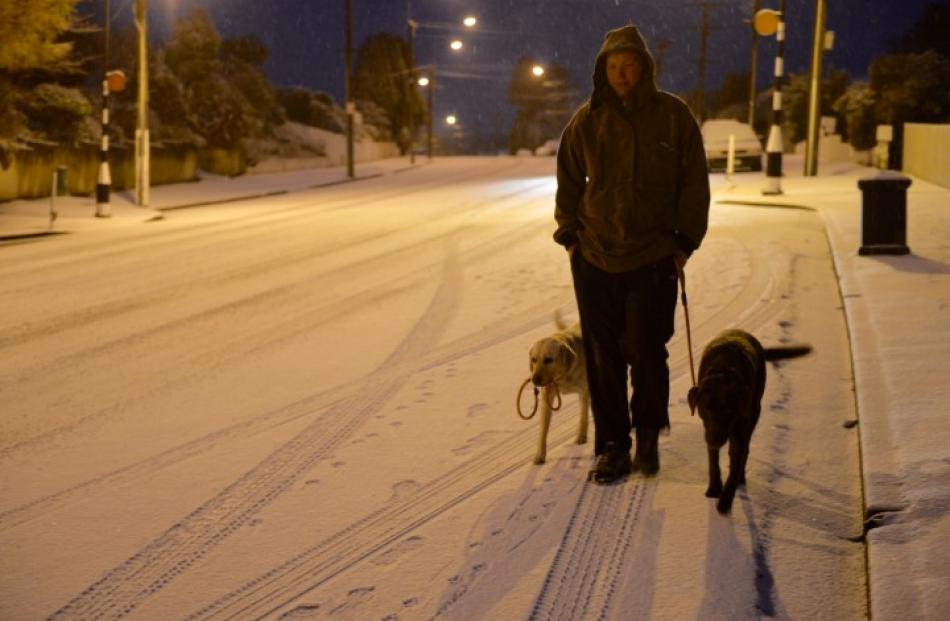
point(693, 398)
point(567, 355)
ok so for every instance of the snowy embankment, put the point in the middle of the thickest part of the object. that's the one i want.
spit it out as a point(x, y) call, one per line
point(312, 147)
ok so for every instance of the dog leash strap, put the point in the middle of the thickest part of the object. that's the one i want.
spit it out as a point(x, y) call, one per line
point(689, 336)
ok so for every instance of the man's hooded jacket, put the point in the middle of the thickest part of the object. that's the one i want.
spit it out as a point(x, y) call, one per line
point(633, 186)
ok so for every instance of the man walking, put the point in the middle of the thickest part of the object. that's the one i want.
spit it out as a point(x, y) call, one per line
point(632, 204)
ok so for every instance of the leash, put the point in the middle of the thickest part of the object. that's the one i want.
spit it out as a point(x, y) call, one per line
point(550, 400)
point(689, 336)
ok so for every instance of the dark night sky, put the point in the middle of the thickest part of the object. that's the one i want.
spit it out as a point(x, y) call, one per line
point(306, 39)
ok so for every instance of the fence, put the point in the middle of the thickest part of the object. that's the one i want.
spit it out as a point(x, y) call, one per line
point(927, 152)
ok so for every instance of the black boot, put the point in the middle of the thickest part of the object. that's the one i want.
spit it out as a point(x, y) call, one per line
point(611, 465)
point(647, 457)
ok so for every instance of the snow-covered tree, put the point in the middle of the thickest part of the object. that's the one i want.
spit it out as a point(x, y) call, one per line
point(382, 76)
point(33, 52)
point(30, 33)
point(856, 107)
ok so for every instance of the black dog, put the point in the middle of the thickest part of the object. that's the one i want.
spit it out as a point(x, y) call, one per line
point(729, 398)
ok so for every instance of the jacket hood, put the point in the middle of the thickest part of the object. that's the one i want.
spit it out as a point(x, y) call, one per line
point(628, 39)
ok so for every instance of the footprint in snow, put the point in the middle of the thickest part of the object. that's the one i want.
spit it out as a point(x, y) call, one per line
point(301, 613)
point(477, 408)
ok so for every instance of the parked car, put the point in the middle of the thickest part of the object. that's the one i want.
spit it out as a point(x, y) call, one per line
point(716, 134)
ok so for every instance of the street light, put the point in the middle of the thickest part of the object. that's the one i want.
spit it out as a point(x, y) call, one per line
point(537, 71)
point(451, 119)
point(456, 45)
point(470, 21)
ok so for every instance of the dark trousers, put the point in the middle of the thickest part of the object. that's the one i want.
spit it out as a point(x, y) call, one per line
point(626, 321)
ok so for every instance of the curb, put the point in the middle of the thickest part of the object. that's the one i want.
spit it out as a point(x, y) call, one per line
point(24, 236)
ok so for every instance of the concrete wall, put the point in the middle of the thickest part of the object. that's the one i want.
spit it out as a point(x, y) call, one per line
point(29, 174)
point(927, 152)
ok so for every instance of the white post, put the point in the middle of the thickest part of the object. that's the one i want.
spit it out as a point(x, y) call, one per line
point(731, 158)
point(52, 199)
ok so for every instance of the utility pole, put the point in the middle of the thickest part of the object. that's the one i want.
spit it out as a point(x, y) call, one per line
point(814, 93)
point(142, 149)
point(753, 67)
point(348, 78)
point(430, 95)
point(662, 45)
point(104, 181)
point(703, 40)
point(411, 86)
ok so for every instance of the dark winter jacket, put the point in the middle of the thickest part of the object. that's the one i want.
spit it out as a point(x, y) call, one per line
point(633, 186)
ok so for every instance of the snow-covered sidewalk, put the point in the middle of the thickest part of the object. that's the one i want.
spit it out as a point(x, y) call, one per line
point(898, 311)
point(31, 218)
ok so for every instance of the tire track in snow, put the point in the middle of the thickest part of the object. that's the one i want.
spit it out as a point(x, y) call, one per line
point(579, 584)
point(52, 256)
point(270, 297)
point(285, 583)
point(392, 522)
point(757, 287)
point(148, 571)
point(121, 590)
point(254, 269)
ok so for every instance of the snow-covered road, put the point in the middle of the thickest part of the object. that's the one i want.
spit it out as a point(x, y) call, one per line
point(302, 407)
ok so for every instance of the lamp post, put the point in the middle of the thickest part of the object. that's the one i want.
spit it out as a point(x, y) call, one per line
point(348, 87)
point(429, 83)
point(142, 148)
point(753, 67)
point(411, 26)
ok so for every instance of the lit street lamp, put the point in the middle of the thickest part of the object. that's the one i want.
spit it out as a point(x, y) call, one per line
point(537, 71)
point(456, 45)
point(470, 21)
point(451, 119)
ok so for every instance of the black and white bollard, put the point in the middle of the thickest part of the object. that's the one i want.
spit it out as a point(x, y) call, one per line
point(104, 182)
point(775, 145)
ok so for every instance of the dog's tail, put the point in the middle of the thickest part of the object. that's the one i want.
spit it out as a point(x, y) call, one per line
point(786, 351)
point(558, 320)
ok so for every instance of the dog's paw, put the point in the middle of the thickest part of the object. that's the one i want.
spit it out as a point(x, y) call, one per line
point(714, 491)
point(581, 440)
point(724, 506)
point(538, 460)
